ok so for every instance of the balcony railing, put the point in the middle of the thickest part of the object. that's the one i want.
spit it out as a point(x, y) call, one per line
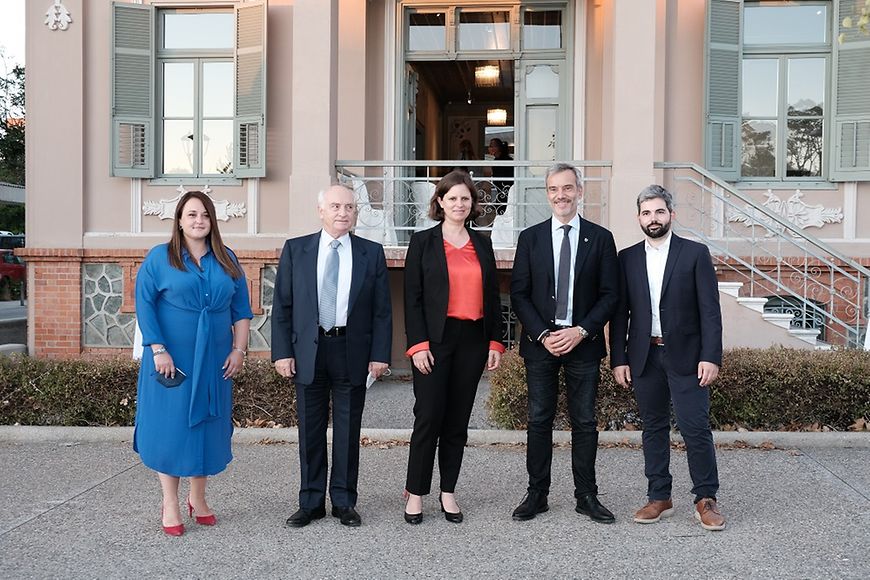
point(773, 257)
point(393, 196)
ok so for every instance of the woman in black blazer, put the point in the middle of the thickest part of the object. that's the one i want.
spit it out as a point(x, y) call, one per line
point(454, 329)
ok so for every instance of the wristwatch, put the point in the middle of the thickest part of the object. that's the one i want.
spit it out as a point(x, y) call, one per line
point(583, 332)
point(160, 350)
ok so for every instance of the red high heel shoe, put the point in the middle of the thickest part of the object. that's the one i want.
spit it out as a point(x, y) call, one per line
point(209, 520)
point(171, 530)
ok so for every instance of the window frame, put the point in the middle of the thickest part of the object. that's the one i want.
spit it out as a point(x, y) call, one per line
point(198, 57)
point(452, 11)
point(783, 53)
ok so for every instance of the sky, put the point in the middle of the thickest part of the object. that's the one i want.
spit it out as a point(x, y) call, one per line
point(12, 32)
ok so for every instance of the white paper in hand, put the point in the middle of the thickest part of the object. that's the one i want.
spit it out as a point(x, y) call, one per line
point(370, 380)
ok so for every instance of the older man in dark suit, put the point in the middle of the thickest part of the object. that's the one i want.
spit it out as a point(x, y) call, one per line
point(666, 343)
point(331, 326)
point(564, 289)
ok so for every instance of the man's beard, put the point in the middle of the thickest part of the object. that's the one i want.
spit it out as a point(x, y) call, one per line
point(659, 233)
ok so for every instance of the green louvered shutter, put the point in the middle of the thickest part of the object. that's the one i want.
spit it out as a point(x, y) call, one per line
point(132, 90)
point(250, 122)
point(851, 132)
point(722, 76)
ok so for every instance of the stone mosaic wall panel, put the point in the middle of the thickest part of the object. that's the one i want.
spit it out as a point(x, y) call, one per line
point(261, 325)
point(103, 293)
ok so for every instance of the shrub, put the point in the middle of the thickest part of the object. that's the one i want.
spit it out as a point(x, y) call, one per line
point(769, 389)
point(103, 392)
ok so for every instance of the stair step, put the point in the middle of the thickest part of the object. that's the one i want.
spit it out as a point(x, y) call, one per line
point(756, 304)
point(808, 335)
point(781, 319)
point(730, 288)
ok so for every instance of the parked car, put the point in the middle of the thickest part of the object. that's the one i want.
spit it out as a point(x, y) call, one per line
point(10, 241)
point(12, 271)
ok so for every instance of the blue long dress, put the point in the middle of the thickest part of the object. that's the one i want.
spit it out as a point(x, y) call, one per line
point(185, 431)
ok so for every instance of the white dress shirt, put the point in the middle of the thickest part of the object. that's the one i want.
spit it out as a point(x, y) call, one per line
point(656, 258)
point(574, 238)
point(345, 270)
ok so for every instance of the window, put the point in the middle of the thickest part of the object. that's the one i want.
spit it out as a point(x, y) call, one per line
point(475, 29)
point(195, 93)
point(784, 100)
point(188, 91)
point(785, 62)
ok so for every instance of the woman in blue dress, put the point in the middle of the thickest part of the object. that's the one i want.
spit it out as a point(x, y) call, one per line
point(192, 307)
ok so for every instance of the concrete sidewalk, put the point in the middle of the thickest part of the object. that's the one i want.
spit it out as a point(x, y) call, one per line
point(84, 510)
point(77, 503)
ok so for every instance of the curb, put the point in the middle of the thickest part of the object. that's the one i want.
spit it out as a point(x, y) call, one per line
point(779, 439)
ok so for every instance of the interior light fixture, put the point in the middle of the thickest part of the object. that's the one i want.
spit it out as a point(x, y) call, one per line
point(486, 76)
point(496, 117)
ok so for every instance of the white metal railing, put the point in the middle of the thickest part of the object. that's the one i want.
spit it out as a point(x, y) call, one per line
point(772, 256)
point(393, 196)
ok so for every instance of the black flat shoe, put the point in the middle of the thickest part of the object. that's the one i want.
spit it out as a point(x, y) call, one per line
point(588, 505)
point(533, 503)
point(347, 516)
point(452, 517)
point(414, 519)
point(303, 517)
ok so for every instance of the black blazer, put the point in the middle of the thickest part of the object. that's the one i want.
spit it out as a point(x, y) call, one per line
point(295, 315)
point(689, 309)
point(596, 287)
point(427, 286)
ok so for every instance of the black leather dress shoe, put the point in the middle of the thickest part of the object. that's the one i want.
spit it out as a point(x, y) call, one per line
point(533, 504)
point(588, 505)
point(303, 517)
point(347, 516)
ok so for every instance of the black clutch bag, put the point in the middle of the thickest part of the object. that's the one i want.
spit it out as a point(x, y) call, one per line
point(170, 382)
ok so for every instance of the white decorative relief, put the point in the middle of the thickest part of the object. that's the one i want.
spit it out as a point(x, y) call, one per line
point(57, 17)
point(165, 208)
point(794, 209)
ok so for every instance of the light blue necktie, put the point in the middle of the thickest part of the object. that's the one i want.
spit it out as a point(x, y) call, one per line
point(329, 289)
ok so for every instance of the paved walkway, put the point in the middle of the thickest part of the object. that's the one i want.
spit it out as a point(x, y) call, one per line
point(78, 504)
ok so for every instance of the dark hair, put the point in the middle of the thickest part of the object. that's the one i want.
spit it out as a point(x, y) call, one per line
point(455, 177)
point(656, 192)
point(503, 153)
point(176, 242)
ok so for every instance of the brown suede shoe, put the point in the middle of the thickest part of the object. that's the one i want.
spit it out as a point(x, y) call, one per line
point(655, 510)
point(708, 514)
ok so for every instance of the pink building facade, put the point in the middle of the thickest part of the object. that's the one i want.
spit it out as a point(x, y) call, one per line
point(752, 112)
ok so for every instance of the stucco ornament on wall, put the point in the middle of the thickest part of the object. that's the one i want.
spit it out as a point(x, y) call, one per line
point(794, 209)
point(165, 208)
point(57, 17)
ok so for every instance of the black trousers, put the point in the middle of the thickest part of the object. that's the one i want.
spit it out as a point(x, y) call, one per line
point(656, 388)
point(312, 401)
point(581, 382)
point(444, 399)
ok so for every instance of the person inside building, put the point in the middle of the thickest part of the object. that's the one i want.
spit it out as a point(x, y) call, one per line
point(193, 310)
point(454, 330)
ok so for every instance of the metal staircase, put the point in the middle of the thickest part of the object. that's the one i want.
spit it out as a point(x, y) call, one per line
point(773, 265)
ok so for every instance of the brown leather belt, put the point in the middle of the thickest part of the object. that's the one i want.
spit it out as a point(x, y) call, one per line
point(656, 340)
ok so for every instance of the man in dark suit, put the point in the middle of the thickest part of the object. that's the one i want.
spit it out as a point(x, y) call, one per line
point(331, 326)
point(666, 343)
point(564, 289)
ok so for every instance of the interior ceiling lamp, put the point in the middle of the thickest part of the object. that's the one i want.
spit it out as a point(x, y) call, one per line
point(496, 117)
point(486, 76)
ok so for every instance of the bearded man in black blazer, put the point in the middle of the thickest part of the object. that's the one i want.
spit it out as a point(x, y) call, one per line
point(666, 344)
point(564, 288)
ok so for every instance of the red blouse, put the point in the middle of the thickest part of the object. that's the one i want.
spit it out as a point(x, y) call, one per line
point(465, 301)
